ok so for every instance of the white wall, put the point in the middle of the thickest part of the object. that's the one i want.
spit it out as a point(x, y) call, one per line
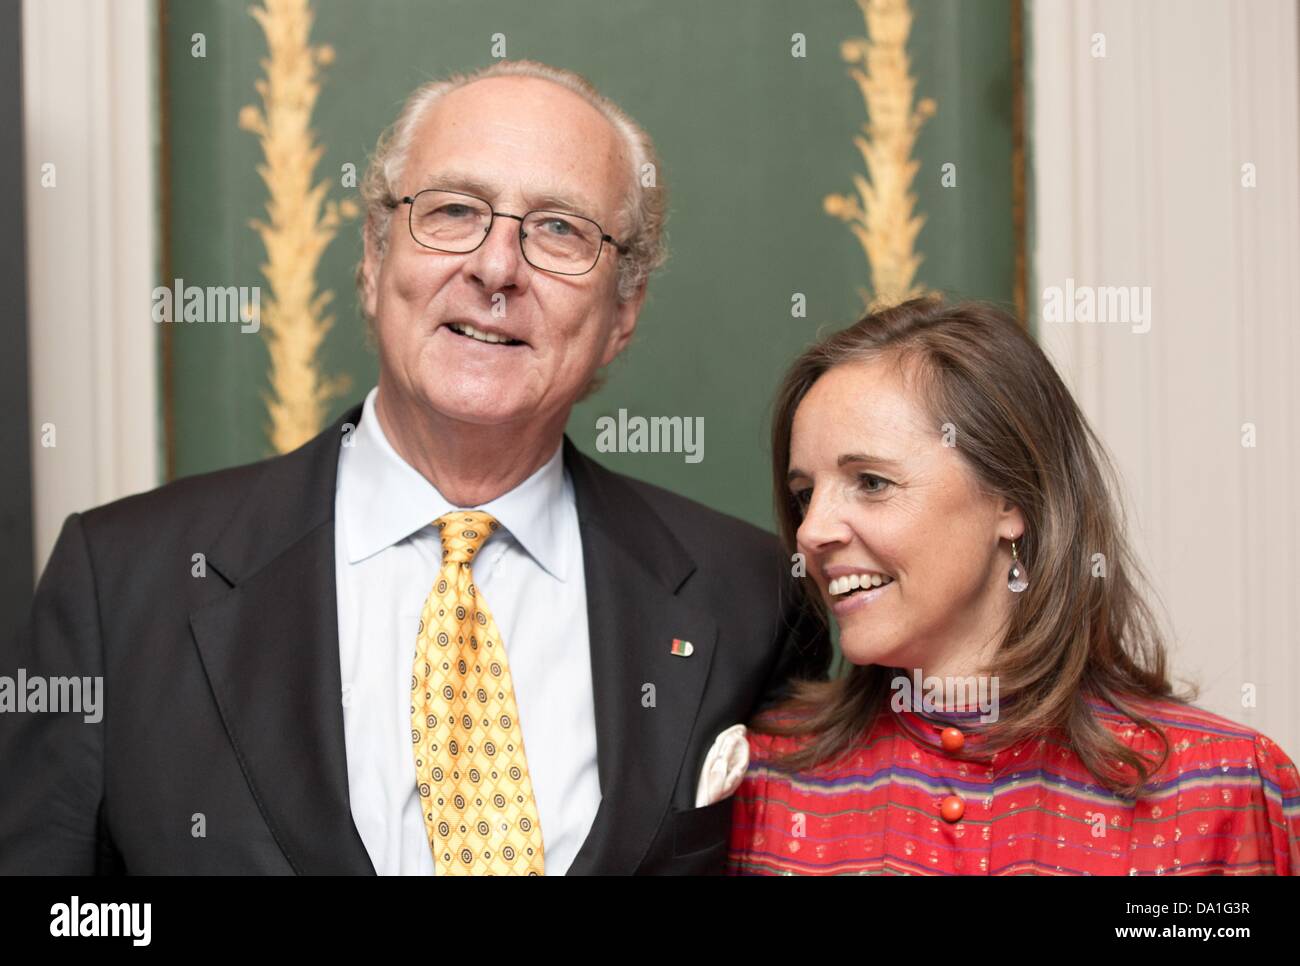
point(88, 81)
point(1137, 180)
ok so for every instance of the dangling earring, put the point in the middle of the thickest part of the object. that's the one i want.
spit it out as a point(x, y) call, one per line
point(1016, 579)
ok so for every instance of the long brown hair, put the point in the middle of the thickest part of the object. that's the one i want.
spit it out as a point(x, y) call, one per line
point(1075, 633)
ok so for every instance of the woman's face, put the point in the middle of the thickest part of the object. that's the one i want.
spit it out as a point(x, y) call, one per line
point(885, 499)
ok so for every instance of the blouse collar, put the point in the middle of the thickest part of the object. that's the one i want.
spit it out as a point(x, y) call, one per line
point(925, 724)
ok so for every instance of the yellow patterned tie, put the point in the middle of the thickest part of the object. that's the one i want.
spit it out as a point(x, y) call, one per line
point(470, 767)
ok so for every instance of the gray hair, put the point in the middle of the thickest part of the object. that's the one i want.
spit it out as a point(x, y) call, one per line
point(643, 211)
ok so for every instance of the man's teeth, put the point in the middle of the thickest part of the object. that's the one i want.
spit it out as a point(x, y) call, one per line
point(473, 333)
point(843, 585)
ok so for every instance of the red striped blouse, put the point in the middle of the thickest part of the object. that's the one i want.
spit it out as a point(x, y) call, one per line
point(1226, 802)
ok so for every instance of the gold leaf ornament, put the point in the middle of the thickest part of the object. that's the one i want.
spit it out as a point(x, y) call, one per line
point(300, 223)
point(882, 211)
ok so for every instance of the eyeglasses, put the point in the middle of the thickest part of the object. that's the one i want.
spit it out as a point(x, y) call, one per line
point(553, 241)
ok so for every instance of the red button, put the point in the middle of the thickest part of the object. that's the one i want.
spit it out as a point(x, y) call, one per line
point(952, 739)
point(952, 809)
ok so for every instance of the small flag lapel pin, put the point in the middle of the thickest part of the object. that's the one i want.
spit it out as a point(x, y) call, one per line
point(683, 648)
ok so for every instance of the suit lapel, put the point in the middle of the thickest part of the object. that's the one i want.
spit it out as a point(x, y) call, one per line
point(270, 649)
point(646, 698)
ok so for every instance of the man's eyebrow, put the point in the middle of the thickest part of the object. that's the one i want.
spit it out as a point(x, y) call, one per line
point(844, 460)
point(544, 199)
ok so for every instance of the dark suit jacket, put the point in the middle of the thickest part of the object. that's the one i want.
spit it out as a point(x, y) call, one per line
point(222, 693)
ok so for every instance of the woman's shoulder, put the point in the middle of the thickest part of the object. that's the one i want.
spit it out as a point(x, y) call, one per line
point(778, 734)
point(1241, 786)
point(1195, 735)
point(768, 733)
point(1172, 716)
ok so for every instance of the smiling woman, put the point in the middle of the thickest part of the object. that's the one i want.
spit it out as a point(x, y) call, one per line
point(968, 543)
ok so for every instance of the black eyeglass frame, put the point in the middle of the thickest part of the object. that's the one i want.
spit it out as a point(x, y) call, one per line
point(409, 200)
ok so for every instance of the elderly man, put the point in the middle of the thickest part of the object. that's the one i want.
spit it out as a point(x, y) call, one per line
point(436, 639)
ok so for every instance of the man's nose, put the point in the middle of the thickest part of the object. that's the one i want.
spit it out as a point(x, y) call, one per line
point(499, 263)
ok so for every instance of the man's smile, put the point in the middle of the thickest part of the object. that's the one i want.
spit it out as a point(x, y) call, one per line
point(483, 334)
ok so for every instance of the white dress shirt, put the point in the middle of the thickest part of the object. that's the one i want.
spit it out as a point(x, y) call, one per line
point(530, 574)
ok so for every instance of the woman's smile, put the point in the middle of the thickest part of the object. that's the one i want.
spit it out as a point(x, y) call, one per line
point(853, 599)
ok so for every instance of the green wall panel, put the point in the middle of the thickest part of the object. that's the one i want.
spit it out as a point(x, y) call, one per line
point(752, 140)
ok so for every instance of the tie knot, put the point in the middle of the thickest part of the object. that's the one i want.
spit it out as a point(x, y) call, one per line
point(463, 532)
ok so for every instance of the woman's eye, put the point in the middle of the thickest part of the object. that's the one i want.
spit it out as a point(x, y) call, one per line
point(867, 479)
point(802, 497)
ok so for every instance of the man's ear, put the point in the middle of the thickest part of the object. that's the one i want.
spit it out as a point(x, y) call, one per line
point(625, 319)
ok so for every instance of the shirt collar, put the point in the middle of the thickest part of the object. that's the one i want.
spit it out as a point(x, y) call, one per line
point(383, 499)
